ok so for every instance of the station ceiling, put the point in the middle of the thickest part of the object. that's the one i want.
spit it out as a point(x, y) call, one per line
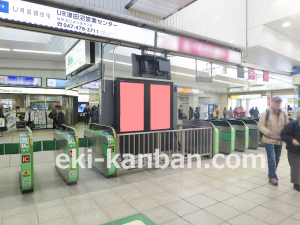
point(158, 8)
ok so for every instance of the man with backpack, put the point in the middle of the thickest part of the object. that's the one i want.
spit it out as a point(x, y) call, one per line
point(197, 114)
point(271, 123)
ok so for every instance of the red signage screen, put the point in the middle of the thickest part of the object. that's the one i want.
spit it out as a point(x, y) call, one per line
point(131, 106)
point(160, 107)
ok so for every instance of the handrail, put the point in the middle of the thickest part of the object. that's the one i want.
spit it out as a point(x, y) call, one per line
point(162, 131)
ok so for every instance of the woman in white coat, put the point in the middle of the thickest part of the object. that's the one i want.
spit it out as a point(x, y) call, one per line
point(29, 117)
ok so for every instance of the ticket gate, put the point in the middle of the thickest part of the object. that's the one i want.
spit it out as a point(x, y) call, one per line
point(26, 175)
point(242, 134)
point(226, 136)
point(202, 123)
point(66, 142)
point(253, 133)
point(100, 140)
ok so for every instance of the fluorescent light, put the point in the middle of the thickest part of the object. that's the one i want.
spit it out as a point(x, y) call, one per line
point(106, 60)
point(40, 52)
point(4, 49)
point(231, 41)
point(221, 81)
point(184, 74)
point(216, 18)
point(286, 24)
point(127, 64)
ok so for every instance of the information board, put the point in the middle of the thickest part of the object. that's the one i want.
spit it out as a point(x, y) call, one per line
point(51, 17)
point(20, 81)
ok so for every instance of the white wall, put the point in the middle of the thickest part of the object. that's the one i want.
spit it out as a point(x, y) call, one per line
point(28, 68)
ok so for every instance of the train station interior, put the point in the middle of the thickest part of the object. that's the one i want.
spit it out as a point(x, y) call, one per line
point(149, 112)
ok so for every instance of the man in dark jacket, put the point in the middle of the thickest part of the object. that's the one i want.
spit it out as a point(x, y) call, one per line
point(291, 135)
point(54, 116)
point(197, 114)
point(96, 115)
point(61, 117)
point(87, 112)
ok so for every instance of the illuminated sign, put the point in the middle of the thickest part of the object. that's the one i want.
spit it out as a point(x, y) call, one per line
point(92, 85)
point(56, 83)
point(78, 56)
point(20, 81)
point(197, 48)
point(25, 159)
point(182, 90)
point(55, 18)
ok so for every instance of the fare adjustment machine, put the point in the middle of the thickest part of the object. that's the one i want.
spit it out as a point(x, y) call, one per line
point(100, 140)
point(66, 143)
point(26, 153)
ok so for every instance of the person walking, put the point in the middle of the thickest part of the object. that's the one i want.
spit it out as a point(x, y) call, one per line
point(197, 114)
point(271, 124)
point(216, 113)
point(251, 111)
point(256, 113)
point(96, 115)
point(54, 117)
point(225, 112)
point(191, 113)
point(3, 122)
point(92, 114)
point(29, 117)
point(241, 111)
point(291, 136)
point(180, 112)
point(60, 117)
point(87, 112)
point(230, 113)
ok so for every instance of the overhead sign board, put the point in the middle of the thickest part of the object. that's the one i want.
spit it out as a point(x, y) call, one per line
point(197, 48)
point(78, 57)
point(20, 81)
point(51, 17)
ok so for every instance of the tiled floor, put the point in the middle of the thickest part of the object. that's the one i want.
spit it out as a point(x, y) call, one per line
point(170, 197)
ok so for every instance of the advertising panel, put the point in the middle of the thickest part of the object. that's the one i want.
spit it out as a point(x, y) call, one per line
point(55, 18)
point(266, 76)
point(21, 81)
point(56, 83)
point(251, 74)
point(204, 111)
point(197, 48)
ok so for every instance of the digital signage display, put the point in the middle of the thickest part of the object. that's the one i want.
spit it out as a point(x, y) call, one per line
point(56, 83)
point(160, 107)
point(21, 81)
point(55, 18)
point(78, 56)
point(131, 107)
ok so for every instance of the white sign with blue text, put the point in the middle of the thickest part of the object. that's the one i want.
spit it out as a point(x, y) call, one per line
point(45, 16)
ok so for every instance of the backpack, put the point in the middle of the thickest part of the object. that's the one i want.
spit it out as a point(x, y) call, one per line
point(50, 115)
point(196, 113)
point(215, 113)
point(268, 115)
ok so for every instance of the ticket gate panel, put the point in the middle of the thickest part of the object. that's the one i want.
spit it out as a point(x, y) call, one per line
point(27, 166)
point(100, 140)
point(66, 143)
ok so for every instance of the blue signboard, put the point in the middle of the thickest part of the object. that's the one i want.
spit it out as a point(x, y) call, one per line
point(21, 81)
point(56, 83)
point(92, 85)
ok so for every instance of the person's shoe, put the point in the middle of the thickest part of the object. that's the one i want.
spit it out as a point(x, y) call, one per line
point(273, 182)
point(276, 177)
point(297, 187)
